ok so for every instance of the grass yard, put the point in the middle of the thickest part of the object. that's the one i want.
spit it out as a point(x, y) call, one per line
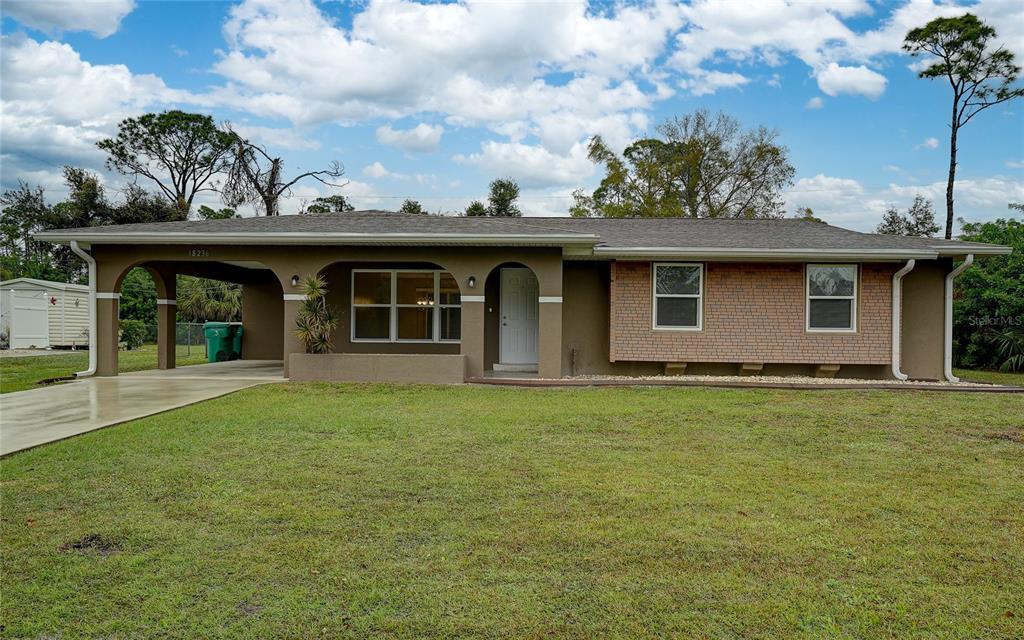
point(19, 374)
point(990, 377)
point(315, 510)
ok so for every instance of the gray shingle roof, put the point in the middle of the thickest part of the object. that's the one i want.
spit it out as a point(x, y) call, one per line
point(606, 235)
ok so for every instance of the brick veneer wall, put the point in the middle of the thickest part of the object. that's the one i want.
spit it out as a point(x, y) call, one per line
point(752, 313)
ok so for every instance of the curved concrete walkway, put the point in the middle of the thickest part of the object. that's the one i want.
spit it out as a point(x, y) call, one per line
point(35, 417)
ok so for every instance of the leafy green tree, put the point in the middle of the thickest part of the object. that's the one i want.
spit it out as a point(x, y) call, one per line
point(988, 307)
point(138, 297)
point(979, 76)
point(704, 166)
point(132, 334)
point(329, 204)
point(919, 221)
point(23, 211)
point(412, 206)
point(476, 209)
point(203, 300)
point(209, 213)
point(501, 199)
point(807, 213)
point(179, 152)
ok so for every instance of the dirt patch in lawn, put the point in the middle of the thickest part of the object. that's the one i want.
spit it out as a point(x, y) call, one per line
point(92, 543)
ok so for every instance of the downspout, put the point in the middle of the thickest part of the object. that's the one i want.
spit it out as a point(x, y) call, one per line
point(897, 327)
point(89, 260)
point(947, 365)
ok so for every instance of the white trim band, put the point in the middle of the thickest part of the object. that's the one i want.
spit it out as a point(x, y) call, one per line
point(473, 298)
point(299, 297)
point(107, 296)
point(166, 301)
point(543, 299)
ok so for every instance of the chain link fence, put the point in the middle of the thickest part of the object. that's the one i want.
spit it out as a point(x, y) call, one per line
point(187, 334)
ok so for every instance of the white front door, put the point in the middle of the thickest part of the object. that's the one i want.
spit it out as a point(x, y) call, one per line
point(519, 313)
point(30, 325)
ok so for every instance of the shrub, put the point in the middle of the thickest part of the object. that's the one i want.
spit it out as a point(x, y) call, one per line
point(133, 333)
point(317, 320)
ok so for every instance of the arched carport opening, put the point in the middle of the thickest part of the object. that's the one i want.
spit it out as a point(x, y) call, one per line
point(511, 319)
point(403, 307)
point(179, 297)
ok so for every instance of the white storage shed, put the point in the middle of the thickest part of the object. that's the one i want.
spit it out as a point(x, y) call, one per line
point(41, 313)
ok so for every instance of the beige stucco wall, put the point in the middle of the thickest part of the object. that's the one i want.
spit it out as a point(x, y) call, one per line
point(399, 368)
point(923, 319)
point(262, 318)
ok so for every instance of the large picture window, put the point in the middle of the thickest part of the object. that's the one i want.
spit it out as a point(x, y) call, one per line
point(405, 305)
point(832, 297)
point(678, 289)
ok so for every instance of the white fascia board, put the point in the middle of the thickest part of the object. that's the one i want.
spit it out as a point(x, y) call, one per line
point(288, 238)
point(984, 250)
point(711, 253)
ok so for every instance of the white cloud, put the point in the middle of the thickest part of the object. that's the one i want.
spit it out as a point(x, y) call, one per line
point(928, 143)
point(277, 138)
point(847, 203)
point(1015, 164)
point(421, 138)
point(815, 103)
point(57, 106)
point(100, 17)
point(703, 82)
point(531, 165)
point(834, 79)
point(378, 170)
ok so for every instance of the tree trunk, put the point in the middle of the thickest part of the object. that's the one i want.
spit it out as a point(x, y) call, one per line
point(270, 205)
point(952, 173)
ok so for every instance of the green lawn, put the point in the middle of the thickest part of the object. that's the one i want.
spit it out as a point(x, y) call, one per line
point(315, 510)
point(19, 374)
point(990, 377)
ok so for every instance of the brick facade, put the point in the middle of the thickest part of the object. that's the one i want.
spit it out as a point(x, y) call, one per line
point(753, 312)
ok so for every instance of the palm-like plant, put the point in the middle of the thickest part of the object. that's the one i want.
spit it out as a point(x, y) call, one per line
point(317, 320)
point(1009, 343)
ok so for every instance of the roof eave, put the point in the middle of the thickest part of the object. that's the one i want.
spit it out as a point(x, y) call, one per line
point(711, 253)
point(295, 238)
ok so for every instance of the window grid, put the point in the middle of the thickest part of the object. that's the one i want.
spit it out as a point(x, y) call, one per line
point(393, 307)
point(852, 298)
point(699, 296)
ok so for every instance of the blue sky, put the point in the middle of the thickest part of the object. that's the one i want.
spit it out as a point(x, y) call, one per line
point(432, 101)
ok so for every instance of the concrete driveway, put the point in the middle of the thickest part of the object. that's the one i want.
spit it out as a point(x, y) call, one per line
point(34, 417)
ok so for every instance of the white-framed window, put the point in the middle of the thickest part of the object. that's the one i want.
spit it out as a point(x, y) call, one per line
point(832, 297)
point(677, 289)
point(405, 305)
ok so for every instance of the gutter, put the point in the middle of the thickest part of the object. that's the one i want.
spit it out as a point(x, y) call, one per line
point(695, 253)
point(89, 260)
point(897, 327)
point(947, 365)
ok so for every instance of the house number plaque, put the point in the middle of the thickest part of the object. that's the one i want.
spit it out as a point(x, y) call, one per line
point(199, 253)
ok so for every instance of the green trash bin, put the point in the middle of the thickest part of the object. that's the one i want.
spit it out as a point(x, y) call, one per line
point(236, 342)
point(219, 343)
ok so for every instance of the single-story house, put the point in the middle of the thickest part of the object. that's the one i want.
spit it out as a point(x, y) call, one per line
point(42, 314)
point(445, 298)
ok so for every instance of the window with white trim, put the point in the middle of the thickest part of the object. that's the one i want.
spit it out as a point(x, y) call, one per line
point(832, 297)
point(677, 290)
point(405, 305)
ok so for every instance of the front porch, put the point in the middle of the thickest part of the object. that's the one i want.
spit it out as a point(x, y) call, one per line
point(405, 314)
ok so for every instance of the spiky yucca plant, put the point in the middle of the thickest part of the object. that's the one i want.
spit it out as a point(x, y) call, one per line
point(317, 320)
